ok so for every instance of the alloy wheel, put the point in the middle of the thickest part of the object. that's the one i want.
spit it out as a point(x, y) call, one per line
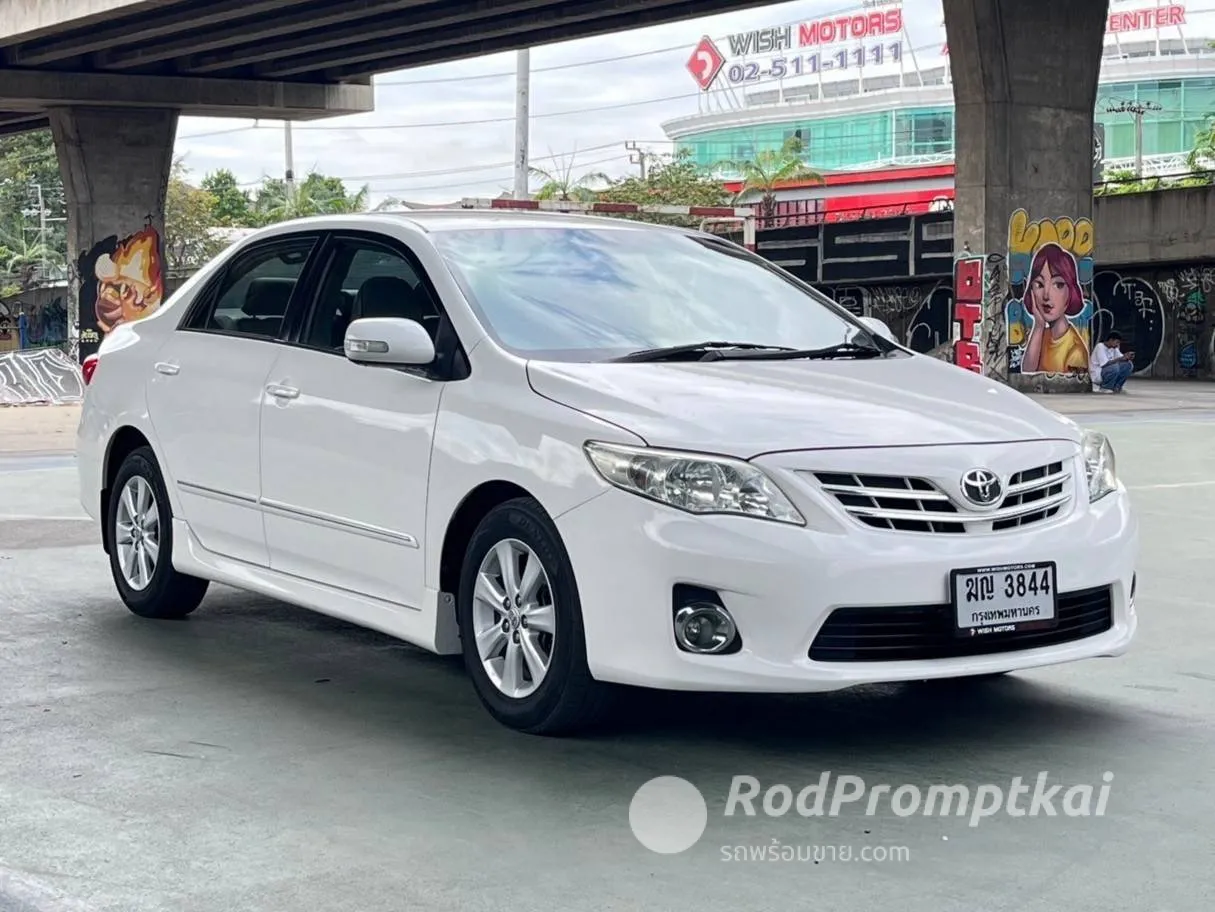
point(514, 620)
point(137, 533)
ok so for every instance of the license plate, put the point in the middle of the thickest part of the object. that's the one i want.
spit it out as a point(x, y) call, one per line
point(1004, 599)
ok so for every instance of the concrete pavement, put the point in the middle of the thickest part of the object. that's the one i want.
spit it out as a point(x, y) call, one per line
point(261, 757)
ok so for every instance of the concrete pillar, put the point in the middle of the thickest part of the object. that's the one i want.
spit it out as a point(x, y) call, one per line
point(115, 164)
point(1025, 85)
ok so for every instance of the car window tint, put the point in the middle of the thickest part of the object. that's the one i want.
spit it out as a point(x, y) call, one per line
point(252, 297)
point(368, 280)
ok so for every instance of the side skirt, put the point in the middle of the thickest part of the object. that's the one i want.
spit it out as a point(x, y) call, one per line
point(430, 627)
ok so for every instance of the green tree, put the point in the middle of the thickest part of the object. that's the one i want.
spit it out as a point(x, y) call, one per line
point(233, 206)
point(28, 167)
point(768, 169)
point(317, 194)
point(670, 180)
point(189, 240)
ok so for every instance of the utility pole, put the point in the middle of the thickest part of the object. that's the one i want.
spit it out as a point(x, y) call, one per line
point(44, 219)
point(42, 229)
point(1137, 109)
point(638, 155)
point(289, 152)
point(523, 73)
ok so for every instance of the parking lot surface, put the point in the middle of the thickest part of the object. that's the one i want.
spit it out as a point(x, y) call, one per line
point(259, 757)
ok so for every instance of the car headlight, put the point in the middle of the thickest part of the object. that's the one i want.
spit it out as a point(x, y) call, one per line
point(1099, 465)
point(693, 482)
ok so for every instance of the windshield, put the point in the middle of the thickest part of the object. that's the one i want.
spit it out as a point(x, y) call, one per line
point(582, 294)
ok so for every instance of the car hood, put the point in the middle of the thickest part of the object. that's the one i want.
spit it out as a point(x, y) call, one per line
point(746, 408)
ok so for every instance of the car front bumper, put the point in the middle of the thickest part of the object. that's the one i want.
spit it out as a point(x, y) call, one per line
point(781, 583)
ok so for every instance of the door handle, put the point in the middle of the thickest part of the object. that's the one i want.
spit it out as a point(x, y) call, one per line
point(164, 367)
point(282, 392)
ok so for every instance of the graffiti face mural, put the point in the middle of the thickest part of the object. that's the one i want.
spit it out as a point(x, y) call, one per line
point(129, 280)
point(1050, 307)
point(121, 280)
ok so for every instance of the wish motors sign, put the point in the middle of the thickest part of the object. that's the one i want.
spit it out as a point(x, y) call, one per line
point(803, 49)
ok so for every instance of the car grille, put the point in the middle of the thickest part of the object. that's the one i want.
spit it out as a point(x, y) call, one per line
point(909, 633)
point(904, 504)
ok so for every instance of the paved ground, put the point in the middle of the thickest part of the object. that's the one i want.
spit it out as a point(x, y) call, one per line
point(257, 757)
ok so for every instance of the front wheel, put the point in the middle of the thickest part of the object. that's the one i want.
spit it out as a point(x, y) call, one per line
point(140, 526)
point(521, 625)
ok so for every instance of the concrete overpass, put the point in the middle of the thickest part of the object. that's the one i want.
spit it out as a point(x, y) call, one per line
point(111, 78)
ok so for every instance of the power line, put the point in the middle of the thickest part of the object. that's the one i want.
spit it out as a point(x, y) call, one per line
point(506, 178)
point(510, 119)
point(461, 170)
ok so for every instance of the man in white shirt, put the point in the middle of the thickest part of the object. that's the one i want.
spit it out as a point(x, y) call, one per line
point(1108, 365)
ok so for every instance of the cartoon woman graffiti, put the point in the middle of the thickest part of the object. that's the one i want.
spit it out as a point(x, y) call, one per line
point(1051, 296)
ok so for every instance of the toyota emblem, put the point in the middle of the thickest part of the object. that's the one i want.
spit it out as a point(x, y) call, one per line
point(981, 487)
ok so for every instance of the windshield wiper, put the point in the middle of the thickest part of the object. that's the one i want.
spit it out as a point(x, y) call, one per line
point(842, 350)
point(676, 352)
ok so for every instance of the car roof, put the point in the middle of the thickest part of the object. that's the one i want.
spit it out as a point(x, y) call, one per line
point(439, 220)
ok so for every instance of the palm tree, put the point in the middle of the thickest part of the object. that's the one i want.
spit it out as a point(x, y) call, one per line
point(769, 168)
point(315, 195)
point(24, 261)
point(560, 184)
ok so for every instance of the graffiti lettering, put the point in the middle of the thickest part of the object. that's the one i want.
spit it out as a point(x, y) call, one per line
point(968, 313)
point(1026, 237)
point(921, 315)
point(930, 326)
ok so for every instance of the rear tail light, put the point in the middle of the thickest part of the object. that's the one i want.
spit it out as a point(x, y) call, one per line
point(88, 367)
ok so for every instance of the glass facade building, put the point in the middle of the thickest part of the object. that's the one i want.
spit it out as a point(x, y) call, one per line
point(1178, 109)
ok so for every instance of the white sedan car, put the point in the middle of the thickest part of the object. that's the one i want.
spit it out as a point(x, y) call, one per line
point(591, 452)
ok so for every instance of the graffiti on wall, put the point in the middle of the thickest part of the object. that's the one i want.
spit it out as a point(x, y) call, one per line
point(1050, 305)
point(34, 319)
point(918, 315)
point(1164, 315)
point(43, 376)
point(121, 280)
point(8, 325)
point(1186, 295)
point(968, 312)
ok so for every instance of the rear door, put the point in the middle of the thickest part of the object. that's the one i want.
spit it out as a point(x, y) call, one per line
point(204, 395)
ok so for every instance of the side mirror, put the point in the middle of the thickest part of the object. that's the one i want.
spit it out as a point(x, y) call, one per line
point(878, 327)
point(389, 341)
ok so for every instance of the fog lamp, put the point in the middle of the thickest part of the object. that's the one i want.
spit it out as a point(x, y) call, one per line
point(704, 628)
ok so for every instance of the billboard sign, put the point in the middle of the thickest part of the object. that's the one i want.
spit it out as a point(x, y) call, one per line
point(866, 37)
point(1137, 19)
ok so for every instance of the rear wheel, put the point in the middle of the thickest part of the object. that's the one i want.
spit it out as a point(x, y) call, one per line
point(521, 625)
point(139, 522)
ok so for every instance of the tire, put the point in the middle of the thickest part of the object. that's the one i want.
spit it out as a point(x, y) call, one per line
point(166, 594)
point(566, 698)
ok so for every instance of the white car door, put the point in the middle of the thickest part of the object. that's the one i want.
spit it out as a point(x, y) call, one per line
point(345, 448)
point(204, 395)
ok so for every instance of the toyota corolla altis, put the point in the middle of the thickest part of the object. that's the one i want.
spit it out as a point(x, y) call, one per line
point(589, 452)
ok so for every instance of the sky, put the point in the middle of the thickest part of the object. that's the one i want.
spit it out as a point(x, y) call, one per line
point(638, 76)
point(443, 132)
